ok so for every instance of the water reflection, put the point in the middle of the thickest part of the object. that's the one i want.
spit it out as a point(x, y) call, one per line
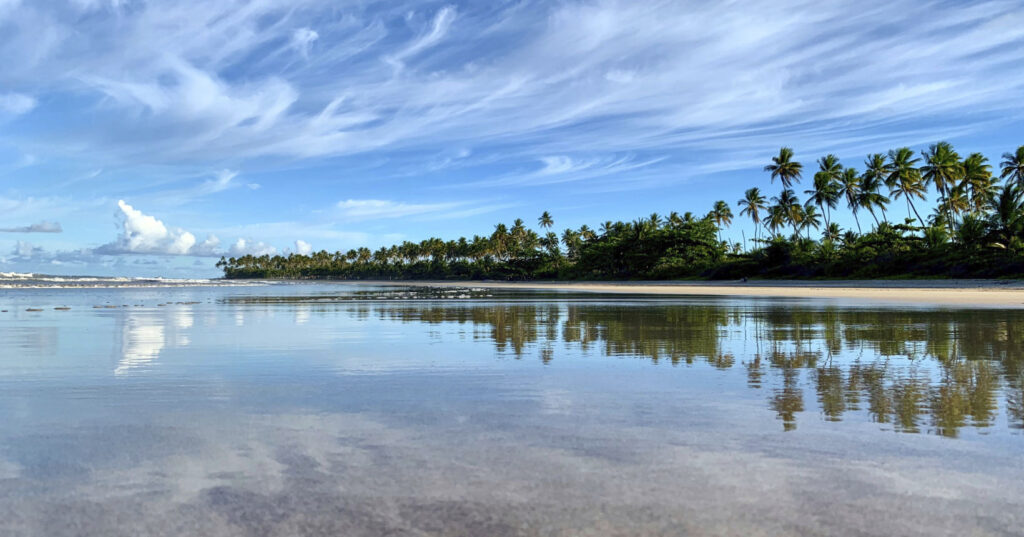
point(146, 333)
point(916, 371)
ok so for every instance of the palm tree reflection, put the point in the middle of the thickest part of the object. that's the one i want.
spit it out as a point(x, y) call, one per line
point(913, 371)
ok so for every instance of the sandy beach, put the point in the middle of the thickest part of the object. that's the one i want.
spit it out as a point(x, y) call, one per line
point(988, 293)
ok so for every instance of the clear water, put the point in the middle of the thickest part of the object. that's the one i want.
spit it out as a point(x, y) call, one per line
point(354, 410)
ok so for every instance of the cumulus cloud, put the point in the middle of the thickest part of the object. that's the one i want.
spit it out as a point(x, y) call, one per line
point(247, 247)
point(145, 234)
point(41, 227)
point(303, 248)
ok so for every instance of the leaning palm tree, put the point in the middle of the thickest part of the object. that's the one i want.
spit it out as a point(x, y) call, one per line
point(824, 193)
point(752, 205)
point(977, 176)
point(722, 215)
point(943, 169)
point(849, 188)
point(1013, 166)
point(871, 195)
point(545, 221)
point(785, 168)
point(905, 179)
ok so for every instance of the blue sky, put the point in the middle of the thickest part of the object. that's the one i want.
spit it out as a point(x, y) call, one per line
point(148, 138)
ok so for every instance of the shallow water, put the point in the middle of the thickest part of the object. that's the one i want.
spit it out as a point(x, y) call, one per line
point(353, 410)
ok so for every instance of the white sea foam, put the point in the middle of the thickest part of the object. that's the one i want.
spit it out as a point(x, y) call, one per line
point(18, 280)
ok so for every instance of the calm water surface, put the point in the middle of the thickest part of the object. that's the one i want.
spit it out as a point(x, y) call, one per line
point(348, 410)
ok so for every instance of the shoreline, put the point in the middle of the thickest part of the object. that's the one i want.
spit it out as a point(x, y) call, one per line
point(990, 293)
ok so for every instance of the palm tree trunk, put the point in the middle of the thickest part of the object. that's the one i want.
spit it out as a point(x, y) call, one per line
point(919, 219)
point(872, 211)
point(855, 219)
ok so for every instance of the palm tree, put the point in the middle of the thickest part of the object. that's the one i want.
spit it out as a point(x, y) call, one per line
point(977, 176)
point(871, 196)
point(905, 179)
point(785, 168)
point(545, 221)
point(832, 232)
point(752, 204)
point(943, 169)
point(1013, 166)
point(876, 174)
point(824, 193)
point(791, 207)
point(811, 219)
point(776, 219)
point(722, 215)
point(849, 188)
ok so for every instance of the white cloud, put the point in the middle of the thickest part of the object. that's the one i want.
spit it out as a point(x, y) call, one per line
point(302, 40)
point(247, 247)
point(221, 183)
point(303, 248)
point(441, 23)
point(145, 234)
point(209, 80)
point(16, 104)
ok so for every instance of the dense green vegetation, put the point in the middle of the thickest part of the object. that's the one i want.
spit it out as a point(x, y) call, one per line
point(975, 229)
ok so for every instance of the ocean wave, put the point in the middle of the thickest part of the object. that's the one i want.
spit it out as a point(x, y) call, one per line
point(20, 280)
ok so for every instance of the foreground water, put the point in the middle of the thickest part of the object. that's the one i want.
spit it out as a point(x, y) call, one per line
point(348, 410)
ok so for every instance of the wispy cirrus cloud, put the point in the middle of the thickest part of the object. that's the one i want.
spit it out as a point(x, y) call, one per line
point(16, 104)
point(40, 227)
point(602, 76)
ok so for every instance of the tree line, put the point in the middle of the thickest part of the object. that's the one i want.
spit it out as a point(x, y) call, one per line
point(975, 228)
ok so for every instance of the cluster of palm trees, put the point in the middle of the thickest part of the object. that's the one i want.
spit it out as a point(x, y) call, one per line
point(973, 208)
point(965, 187)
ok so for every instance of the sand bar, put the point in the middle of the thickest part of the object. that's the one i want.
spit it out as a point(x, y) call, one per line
point(988, 293)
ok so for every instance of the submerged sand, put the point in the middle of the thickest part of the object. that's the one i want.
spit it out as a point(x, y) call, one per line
point(992, 293)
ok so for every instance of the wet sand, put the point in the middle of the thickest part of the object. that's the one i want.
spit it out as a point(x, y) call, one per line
point(989, 293)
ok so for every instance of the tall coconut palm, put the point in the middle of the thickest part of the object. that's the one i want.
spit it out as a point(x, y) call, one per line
point(752, 205)
point(942, 168)
point(824, 194)
point(722, 215)
point(905, 179)
point(871, 196)
point(785, 168)
point(977, 177)
point(1013, 167)
point(849, 188)
point(777, 218)
point(545, 221)
point(876, 174)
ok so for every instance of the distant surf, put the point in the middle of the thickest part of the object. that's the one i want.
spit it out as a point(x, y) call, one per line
point(24, 280)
